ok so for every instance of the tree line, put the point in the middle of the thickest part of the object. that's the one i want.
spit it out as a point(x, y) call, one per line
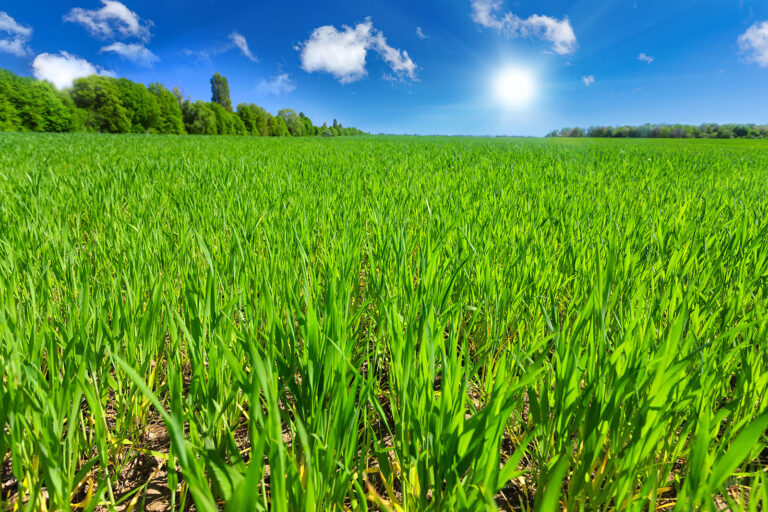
point(118, 105)
point(669, 131)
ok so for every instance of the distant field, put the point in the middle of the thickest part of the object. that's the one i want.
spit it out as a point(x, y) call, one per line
point(382, 323)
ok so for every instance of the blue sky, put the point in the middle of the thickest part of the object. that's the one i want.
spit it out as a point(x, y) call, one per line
point(420, 66)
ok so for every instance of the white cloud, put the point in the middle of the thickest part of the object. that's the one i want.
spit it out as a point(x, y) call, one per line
point(342, 53)
point(16, 36)
point(754, 43)
point(239, 41)
point(420, 33)
point(134, 52)
point(236, 40)
point(9, 25)
point(14, 46)
point(645, 58)
point(559, 32)
point(276, 85)
point(588, 80)
point(64, 68)
point(398, 60)
point(112, 20)
point(201, 55)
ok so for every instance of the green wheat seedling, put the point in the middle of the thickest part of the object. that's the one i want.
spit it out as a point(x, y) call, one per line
point(376, 323)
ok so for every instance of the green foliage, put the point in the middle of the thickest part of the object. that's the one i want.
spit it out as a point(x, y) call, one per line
point(31, 105)
point(248, 117)
point(142, 106)
point(255, 119)
point(99, 96)
point(77, 116)
point(203, 118)
point(220, 91)
point(171, 118)
point(665, 131)
point(276, 127)
point(9, 116)
point(295, 124)
point(382, 323)
point(104, 104)
point(308, 128)
point(227, 123)
point(200, 118)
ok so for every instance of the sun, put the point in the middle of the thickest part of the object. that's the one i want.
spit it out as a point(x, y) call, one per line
point(515, 87)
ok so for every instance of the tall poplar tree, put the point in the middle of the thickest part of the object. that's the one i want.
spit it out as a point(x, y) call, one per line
point(220, 91)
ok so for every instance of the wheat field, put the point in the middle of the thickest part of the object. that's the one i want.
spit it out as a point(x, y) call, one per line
point(382, 323)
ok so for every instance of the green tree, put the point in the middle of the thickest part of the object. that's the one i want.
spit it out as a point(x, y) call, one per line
point(292, 121)
point(724, 132)
point(105, 104)
point(32, 105)
point(309, 128)
point(262, 120)
point(171, 116)
point(142, 106)
point(663, 131)
point(9, 117)
point(76, 116)
point(179, 95)
point(277, 127)
point(227, 123)
point(220, 91)
point(99, 96)
point(255, 119)
point(248, 117)
point(741, 130)
point(200, 118)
